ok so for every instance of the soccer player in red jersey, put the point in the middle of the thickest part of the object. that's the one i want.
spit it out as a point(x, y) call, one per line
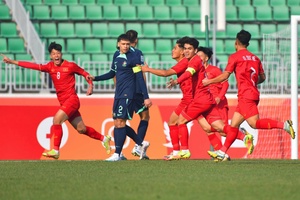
point(178, 69)
point(249, 73)
point(218, 91)
point(63, 73)
point(203, 103)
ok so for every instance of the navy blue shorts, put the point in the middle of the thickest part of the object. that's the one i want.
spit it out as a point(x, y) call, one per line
point(123, 109)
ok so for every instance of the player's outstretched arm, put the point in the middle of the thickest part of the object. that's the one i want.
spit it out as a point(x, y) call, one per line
point(111, 74)
point(158, 72)
point(8, 60)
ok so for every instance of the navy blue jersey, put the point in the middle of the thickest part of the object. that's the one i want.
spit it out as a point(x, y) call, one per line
point(140, 54)
point(126, 80)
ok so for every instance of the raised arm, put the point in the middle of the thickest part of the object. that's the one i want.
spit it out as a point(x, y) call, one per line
point(23, 64)
point(158, 72)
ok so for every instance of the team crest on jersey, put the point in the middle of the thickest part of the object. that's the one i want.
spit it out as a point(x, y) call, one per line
point(65, 69)
point(124, 64)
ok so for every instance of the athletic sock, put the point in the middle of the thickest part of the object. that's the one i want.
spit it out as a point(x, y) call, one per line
point(142, 129)
point(131, 133)
point(183, 136)
point(215, 141)
point(240, 135)
point(56, 130)
point(93, 133)
point(174, 137)
point(120, 137)
point(231, 133)
point(268, 124)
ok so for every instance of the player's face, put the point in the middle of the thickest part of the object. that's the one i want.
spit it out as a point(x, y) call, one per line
point(56, 56)
point(124, 46)
point(177, 52)
point(203, 56)
point(189, 51)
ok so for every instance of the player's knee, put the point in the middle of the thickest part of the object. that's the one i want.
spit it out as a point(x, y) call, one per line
point(81, 130)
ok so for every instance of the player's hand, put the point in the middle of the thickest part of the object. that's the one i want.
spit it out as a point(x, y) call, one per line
point(147, 103)
point(205, 81)
point(89, 77)
point(145, 67)
point(171, 83)
point(90, 90)
point(6, 59)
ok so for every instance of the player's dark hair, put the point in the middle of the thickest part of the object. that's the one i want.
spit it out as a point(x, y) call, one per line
point(182, 41)
point(123, 37)
point(244, 37)
point(132, 35)
point(206, 51)
point(193, 42)
point(54, 45)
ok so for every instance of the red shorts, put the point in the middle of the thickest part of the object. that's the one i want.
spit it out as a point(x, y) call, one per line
point(182, 105)
point(71, 107)
point(196, 109)
point(247, 107)
point(212, 116)
point(223, 111)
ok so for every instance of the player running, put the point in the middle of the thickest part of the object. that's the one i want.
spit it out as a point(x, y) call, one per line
point(218, 90)
point(63, 73)
point(249, 73)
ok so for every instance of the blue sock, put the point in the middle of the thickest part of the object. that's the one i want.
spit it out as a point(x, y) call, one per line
point(142, 129)
point(131, 133)
point(120, 137)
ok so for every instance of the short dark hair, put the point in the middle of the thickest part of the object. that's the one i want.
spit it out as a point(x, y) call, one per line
point(132, 35)
point(193, 42)
point(54, 45)
point(123, 37)
point(207, 51)
point(244, 37)
point(182, 41)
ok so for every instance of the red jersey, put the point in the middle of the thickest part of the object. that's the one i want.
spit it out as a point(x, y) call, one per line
point(63, 76)
point(180, 68)
point(217, 89)
point(247, 68)
point(197, 72)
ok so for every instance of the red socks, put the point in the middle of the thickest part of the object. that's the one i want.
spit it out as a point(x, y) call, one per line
point(183, 136)
point(93, 133)
point(215, 141)
point(56, 130)
point(174, 134)
point(268, 124)
point(240, 135)
point(231, 134)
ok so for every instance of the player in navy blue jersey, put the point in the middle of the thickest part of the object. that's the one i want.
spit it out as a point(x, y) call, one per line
point(139, 98)
point(126, 68)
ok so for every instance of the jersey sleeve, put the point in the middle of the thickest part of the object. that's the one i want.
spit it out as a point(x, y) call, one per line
point(34, 66)
point(80, 71)
point(191, 69)
point(180, 67)
point(260, 68)
point(231, 64)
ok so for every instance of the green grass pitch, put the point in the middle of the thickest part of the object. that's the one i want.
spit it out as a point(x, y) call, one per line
point(152, 179)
